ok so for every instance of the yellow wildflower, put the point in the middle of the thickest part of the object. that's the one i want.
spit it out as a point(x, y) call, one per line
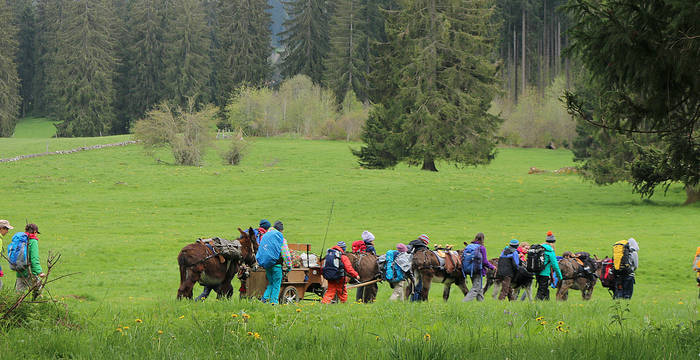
point(234, 315)
point(426, 337)
point(539, 318)
point(139, 321)
point(119, 329)
point(181, 317)
point(246, 316)
point(126, 328)
point(256, 335)
point(250, 333)
point(544, 322)
point(160, 332)
point(680, 303)
point(377, 338)
point(560, 323)
point(298, 310)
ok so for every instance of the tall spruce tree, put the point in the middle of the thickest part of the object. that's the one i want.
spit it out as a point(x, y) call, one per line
point(49, 70)
point(88, 60)
point(642, 109)
point(346, 69)
point(187, 53)
point(146, 65)
point(306, 38)
point(10, 99)
point(442, 86)
point(244, 45)
point(121, 31)
point(26, 25)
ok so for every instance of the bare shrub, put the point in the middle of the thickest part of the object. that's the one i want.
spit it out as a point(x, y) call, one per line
point(187, 133)
point(236, 150)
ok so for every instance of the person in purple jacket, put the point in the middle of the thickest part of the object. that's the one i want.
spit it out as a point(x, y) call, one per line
point(477, 292)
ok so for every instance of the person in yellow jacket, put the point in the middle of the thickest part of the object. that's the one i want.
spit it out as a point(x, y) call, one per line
point(5, 227)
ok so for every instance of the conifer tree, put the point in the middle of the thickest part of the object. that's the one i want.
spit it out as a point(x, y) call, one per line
point(345, 65)
point(306, 38)
point(146, 66)
point(87, 55)
point(244, 45)
point(442, 86)
point(48, 66)
point(187, 52)
point(26, 25)
point(10, 99)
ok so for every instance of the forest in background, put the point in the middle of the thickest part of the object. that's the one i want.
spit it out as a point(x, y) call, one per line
point(98, 66)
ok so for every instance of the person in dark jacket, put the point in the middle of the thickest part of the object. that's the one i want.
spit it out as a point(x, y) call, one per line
point(477, 291)
point(508, 264)
point(337, 287)
point(417, 244)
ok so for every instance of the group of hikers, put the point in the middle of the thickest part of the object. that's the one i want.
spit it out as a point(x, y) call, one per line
point(517, 261)
point(23, 257)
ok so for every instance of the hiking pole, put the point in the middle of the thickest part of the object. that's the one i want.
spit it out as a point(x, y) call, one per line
point(330, 215)
point(363, 284)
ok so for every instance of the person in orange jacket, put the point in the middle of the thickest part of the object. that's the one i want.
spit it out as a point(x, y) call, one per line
point(337, 287)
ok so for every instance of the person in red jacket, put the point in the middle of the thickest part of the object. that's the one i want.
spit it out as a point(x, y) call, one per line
point(337, 287)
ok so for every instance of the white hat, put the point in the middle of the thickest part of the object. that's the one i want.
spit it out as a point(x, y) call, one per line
point(5, 223)
point(367, 236)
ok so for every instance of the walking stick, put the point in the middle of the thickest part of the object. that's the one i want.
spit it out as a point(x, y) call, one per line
point(363, 284)
point(330, 214)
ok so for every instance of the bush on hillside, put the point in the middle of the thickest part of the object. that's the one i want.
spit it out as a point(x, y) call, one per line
point(236, 150)
point(186, 132)
point(535, 121)
point(298, 107)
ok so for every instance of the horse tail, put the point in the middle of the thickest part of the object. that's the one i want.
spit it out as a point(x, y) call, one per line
point(182, 262)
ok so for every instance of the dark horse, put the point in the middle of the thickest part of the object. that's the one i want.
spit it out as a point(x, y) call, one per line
point(426, 269)
point(575, 277)
point(198, 265)
point(366, 266)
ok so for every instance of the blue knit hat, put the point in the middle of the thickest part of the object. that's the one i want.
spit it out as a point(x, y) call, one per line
point(265, 224)
point(514, 242)
point(341, 244)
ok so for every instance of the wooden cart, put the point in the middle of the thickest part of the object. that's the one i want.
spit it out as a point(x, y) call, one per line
point(295, 285)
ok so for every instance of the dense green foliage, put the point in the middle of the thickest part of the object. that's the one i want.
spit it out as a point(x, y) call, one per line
point(9, 85)
point(306, 38)
point(642, 107)
point(244, 45)
point(442, 84)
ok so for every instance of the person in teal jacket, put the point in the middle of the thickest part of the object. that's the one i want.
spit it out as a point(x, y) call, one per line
point(28, 278)
point(550, 265)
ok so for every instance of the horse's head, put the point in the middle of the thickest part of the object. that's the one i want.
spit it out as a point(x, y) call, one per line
point(248, 245)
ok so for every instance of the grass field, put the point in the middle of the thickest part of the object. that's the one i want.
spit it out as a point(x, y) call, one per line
point(119, 219)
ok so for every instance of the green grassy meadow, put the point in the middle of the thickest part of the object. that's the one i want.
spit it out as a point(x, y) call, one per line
point(119, 219)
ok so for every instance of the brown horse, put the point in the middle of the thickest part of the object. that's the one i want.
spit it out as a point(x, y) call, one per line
point(576, 278)
point(426, 269)
point(366, 265)
point(197, 264)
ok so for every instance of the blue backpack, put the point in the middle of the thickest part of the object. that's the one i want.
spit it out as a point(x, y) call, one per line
point(333, 268)
point(17, 251)
point(471, 259)
point(393, 271)
point(270, 249)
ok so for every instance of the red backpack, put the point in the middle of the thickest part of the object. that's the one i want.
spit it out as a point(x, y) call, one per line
point(607, 273)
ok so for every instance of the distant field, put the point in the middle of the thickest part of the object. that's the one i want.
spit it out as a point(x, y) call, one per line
point(119, 218)
point(36, 128)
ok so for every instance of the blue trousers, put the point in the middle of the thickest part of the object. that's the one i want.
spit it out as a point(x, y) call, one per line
point(274, 282)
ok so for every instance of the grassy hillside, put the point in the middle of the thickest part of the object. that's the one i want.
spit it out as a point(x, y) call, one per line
point(33, 127)
point(119, 218)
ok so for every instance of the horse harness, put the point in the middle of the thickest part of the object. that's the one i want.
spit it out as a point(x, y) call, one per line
point(212, 255)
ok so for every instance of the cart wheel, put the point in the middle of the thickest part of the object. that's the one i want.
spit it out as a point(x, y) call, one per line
point(290, 294)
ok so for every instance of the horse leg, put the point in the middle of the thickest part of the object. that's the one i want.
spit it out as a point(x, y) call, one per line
point(496, 289)
point(446, 290)
point(462, 284)
point(427, 278)
point(191, 278)
point(563, 290)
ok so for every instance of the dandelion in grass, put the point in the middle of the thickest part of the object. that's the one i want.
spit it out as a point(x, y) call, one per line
point(543, 322)
point(246, 316)
point(119, 329)
point(560, 323)
point(680, 303)
point(256, 336)
point(138, 321)
point(181, 317)
point(298, 310)
point(539, 318)
point(250, 333)
point(426, 337)
point(234, 315)
point(160, 332)
point(377, 338)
